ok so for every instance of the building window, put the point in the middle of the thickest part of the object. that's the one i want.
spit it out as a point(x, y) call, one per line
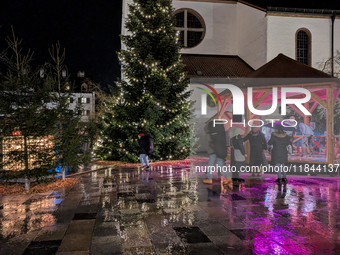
point(84, 100)
point(191, 27)
point(303, 46)
point(81, 74)
point(85, 113)
point(84, 87)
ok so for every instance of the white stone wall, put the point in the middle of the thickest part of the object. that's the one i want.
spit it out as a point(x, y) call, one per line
point(221, 30)
point(125, 11)
point(220, 21)
point(282, 31)
point(252, 35)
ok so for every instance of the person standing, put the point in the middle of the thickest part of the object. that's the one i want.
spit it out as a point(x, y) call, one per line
point(217, 150)
point(291, 134)
point(307, 137)
point(267, 132)
point(280, 140)
point(144, 150)
point(238, 153)
point(258, 144)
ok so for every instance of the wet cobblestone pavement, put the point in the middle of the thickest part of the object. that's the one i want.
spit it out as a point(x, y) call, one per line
point(168, 210)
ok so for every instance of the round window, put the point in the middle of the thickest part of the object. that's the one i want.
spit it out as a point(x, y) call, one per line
point(191, 27)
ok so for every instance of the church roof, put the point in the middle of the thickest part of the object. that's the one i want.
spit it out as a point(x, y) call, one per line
point(284, 71)
point(301, 4)
point(285, 67)
point(198, 66)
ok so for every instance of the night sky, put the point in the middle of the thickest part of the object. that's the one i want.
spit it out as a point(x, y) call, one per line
point(88, 30)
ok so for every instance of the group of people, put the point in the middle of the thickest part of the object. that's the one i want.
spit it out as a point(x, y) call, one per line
point(280, 143)
point(307, 137)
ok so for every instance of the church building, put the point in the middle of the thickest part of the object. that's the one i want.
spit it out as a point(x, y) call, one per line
point(253, 32)
point(231, 39)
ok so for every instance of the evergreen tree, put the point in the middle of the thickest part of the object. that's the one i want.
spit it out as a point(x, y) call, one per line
point(93, 127)
point(69, 137)
point(154, 97)
point(320, 113)
point(24, 109)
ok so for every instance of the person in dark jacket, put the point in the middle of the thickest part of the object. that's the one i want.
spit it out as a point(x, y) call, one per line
point(217, 150)
point(258, 144)
point(291, 134)
point(144, 150)
point(280, 140)
point(238, 153)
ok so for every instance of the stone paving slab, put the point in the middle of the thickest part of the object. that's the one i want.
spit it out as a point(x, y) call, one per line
point(135, 236)
point(202, 249)
point(78, 236)
point(139, 250)
point(17, 245)
point(213, 228)
point(106, 245)
point(103, 229)
point(52, 232)
point(167, 242)
point(156, 211)
point(73, 253)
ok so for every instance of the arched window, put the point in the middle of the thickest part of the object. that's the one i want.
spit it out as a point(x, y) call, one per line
point(303, 46)
point(191, 26)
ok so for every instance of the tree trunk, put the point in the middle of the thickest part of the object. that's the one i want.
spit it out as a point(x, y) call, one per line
point(27, 183)
point(27, 180)
point(63, 173)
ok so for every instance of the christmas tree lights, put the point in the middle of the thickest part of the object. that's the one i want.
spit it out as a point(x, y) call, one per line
point(153, 98)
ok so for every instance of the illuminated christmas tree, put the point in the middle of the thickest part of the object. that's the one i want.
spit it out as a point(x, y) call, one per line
point(153, 97)
point(27, 122)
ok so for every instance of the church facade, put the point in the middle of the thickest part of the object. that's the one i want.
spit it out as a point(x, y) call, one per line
point(237, 38)
point(256, 33)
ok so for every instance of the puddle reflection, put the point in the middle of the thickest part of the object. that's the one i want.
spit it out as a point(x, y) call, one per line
point(260, 215)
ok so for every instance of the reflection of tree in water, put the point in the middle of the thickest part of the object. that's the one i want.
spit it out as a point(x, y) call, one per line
point(30, 216)
point(8, 229)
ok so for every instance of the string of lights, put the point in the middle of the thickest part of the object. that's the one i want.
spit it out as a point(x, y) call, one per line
point(139, 106)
